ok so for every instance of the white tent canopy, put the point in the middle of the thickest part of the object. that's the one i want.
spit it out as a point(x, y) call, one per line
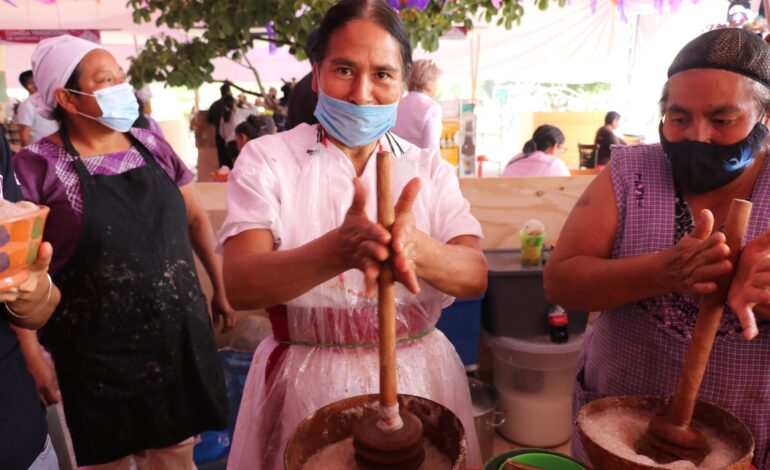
point(575, 45)
point(567, 45)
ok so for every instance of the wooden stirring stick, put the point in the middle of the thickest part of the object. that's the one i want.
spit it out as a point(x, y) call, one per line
point(391, 439)
point(386, 301)
point(670, 436)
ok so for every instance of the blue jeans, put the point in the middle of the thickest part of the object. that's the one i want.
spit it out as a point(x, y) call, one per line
point(47, 459)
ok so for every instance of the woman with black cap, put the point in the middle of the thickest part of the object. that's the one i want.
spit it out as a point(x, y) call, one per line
point(639, 244)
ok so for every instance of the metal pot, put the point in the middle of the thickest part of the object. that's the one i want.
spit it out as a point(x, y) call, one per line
point(486, 418)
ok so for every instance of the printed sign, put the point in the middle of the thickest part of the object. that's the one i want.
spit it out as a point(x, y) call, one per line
point(33, 36)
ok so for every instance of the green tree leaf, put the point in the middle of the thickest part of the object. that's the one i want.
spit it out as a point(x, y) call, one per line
point(232, 27)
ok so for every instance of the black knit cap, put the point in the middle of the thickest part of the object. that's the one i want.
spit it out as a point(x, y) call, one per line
point(732, 49)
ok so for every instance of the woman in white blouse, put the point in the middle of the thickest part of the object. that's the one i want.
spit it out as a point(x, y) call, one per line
point(294, 242)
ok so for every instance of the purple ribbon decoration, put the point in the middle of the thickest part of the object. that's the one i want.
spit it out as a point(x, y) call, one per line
point(272, 47)
point(416, 4)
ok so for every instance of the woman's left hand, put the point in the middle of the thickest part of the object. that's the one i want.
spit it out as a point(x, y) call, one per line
point(750, 289)
point(221, 311)
point(404, 232)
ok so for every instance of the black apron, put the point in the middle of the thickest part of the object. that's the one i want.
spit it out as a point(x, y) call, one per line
point(131, 338)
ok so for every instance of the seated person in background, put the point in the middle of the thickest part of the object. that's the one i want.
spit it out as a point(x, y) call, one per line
point(605, 137)
point(419, 115)
point(540, 155)
point(253, 127)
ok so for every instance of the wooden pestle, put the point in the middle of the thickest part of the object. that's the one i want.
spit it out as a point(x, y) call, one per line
point(670, 436)
point(386, 288)
point(391, 439)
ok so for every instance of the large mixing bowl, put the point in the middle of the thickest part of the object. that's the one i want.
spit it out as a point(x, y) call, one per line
point(730, 428)
point(334, 423)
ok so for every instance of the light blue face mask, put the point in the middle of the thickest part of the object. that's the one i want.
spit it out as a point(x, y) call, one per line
point(354, 125)
point(118, 104)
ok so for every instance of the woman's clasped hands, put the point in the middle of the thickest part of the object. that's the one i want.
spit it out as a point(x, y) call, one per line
point(700, 259)
point(365, 245)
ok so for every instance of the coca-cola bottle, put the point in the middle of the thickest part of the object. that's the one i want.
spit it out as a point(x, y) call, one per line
point(558, 324)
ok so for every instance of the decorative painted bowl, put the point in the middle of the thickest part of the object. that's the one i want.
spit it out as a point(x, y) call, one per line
point(20, 238)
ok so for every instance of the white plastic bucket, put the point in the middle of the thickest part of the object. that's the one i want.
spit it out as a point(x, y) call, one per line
point(534, 379)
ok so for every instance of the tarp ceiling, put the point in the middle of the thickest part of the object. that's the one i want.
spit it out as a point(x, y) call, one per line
point(572, 44)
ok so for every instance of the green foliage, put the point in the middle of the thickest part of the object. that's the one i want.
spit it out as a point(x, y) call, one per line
point(229, 28)
point(591, 88)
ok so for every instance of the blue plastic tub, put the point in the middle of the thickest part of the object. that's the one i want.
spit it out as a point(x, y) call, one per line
point(214, 446)
point(461, 324)
point(236, 367)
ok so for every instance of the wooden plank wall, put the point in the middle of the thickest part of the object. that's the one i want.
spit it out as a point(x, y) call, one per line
point(502, 205)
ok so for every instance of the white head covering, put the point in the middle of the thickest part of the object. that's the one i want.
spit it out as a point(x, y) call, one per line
point(53, 62)
point(144, 94)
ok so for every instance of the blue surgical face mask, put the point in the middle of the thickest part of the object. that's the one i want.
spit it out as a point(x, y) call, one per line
point(354, 125)
point(118, 104)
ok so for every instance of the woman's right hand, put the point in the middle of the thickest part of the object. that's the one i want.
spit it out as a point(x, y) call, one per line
point(363, 244)
point(699, 258)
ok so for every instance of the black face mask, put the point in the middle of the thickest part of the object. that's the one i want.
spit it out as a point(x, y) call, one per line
point(704, 167)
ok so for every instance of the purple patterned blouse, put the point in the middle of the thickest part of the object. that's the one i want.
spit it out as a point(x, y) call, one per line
point(47, 176)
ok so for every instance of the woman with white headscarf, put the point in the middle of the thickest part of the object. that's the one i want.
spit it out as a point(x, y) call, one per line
point(131, 339)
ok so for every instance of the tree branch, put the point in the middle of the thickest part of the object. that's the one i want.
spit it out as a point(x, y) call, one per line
point(233, 85)
point(256, 74)
point(260, 37)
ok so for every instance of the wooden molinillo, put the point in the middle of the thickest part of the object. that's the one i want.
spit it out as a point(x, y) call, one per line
point(670, 436)
point(392, 438)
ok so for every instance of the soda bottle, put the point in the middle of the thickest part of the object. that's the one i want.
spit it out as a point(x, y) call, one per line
point(558, 325)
